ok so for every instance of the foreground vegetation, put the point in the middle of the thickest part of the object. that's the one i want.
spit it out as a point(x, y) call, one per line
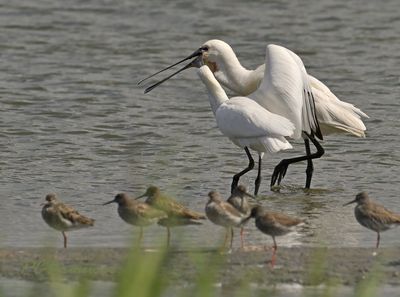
point(171, 272)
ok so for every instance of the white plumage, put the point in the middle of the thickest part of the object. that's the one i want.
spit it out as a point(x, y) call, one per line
point(245, 122)
point(283, 88)
point(334, 115)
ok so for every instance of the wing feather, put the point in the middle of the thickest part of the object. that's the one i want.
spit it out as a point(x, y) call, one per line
point(241, 117)
point(286, 90)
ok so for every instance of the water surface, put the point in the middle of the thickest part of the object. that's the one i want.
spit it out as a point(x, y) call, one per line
point(73, 121)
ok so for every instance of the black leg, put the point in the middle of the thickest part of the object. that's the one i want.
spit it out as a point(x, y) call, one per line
point(310, 166)
point(258, 179)
point(237, 176)
point(281, 168)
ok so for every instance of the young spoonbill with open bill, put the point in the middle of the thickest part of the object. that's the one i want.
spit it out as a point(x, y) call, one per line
point(245, 122)
point(277, 91)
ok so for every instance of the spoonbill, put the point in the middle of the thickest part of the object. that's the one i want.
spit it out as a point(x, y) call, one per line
point(62, 217)
point(245, 122)
point(274, 90)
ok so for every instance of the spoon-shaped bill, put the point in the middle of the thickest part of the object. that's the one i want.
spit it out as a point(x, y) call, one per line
point(196, 53)
point(194, 63)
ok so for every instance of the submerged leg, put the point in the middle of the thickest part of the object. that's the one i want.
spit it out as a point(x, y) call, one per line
point(258, 179)
point(280, 169)
point(65, 239)
point(237, 176)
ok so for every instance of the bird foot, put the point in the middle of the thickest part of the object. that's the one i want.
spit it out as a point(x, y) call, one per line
point(276, 189)
point(279, 173)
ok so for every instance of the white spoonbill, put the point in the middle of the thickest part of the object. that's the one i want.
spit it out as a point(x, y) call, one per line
point(262, 84)
point(244, 122)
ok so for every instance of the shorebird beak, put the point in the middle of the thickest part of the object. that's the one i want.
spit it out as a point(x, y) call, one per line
point(251, 196)
point(196, 53)
point(109, 202)
point(353, 201)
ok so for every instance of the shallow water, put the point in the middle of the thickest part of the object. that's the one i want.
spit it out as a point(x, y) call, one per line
point(73, 121)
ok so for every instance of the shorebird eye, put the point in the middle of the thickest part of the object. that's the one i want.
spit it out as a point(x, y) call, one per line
point(205, 48)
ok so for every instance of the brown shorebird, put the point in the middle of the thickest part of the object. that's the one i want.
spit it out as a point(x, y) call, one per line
point(63, 217)
point(137, 213)
point(224, 214)
point(373, 215)
point(238, 200)
point(273, 224)
point(178, 215)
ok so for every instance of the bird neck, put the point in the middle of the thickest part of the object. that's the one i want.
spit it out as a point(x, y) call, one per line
point(237, 78)
point(216, 93)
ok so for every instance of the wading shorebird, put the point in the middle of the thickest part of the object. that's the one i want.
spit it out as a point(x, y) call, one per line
point(274, 224)
point(224, 214)
point(282, 86)
point(178, 215)
point(238, 200)
point(137, 213)
point(246, 123)
point(63, 217)
point(373, 215)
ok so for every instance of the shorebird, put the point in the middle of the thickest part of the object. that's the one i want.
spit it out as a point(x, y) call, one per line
point(224, 214)
point(266, 84)
point(373, 216)
point(137, 213)
point(238, 200)
point(63, 217)
point(273, 224)
point(178, 215)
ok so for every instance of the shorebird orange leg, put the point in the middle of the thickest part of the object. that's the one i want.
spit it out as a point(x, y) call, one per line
point(273, 258)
